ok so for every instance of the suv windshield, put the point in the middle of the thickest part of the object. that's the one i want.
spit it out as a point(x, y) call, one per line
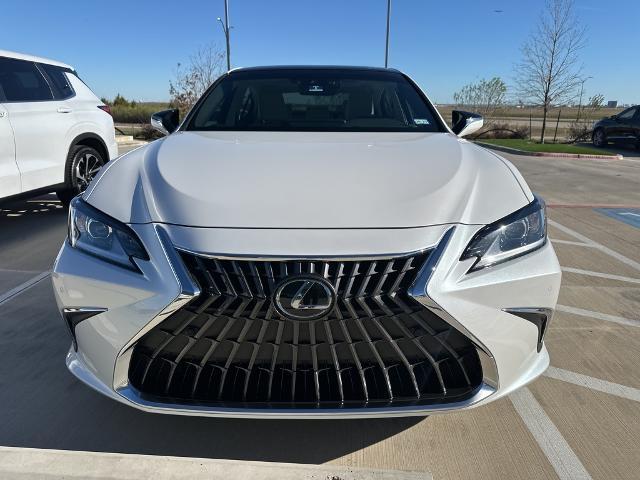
point(314, 100)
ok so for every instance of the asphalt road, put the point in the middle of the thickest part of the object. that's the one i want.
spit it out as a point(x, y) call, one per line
point(582, 419)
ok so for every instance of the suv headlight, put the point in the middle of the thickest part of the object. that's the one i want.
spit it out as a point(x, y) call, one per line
point(517, 234)
point(95, 233)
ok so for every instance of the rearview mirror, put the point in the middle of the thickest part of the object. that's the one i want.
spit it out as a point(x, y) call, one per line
point(465, 123)
point(166, 121)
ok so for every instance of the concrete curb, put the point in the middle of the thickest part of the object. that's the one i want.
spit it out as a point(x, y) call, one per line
point(515, 151)
point(129, 141)
point(45, 464)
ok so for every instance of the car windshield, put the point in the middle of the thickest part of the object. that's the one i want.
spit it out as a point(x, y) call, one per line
point(314, 100)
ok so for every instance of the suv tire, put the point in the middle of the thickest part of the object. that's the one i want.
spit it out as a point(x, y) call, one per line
point(83, 163)
point(599, 138)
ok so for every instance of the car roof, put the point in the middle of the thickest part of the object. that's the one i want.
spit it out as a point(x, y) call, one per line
point(33, 58)
point(313, 67)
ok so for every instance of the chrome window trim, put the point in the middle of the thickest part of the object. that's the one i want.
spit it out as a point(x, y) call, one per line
point(189, 290)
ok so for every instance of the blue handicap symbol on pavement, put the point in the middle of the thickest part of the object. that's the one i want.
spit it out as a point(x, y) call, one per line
point(630, 216)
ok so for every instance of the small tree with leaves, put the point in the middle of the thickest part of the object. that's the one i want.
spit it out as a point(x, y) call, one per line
point(550, 72)
point(191, 80)
point(483, 96)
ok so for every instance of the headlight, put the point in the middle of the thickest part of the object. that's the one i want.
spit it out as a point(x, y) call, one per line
point(95, 233)
point(517, 234)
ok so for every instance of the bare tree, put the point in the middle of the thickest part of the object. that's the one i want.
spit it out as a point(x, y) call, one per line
point(484, 96)
point(550, 73)
point(191, 80)
point(580, 130)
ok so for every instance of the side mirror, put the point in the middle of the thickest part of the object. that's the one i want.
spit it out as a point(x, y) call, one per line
point(465, 123)
point(166, 121)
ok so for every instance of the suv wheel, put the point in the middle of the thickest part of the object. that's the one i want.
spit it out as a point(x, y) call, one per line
point(83, 163)
point(599, 138)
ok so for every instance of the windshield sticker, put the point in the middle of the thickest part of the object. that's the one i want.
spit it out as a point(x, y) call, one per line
point(421, 121)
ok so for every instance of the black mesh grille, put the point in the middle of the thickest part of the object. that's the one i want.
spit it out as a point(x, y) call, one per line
point(377, 347)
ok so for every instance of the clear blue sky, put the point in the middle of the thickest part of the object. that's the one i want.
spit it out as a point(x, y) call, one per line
point(132, 46)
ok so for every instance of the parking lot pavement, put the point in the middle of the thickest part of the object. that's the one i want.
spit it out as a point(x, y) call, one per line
point(578, 182)
point(580, 420)
point(31, 231)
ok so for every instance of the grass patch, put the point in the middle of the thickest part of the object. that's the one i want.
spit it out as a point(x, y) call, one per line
point(530, 146)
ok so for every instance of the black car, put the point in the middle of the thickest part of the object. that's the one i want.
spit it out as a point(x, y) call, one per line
point(623, 128)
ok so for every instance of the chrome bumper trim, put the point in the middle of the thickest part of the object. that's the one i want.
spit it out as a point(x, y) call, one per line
point(133, 396)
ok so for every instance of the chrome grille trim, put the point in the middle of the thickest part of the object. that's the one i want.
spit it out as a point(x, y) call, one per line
point(260, 258)
point(374, 338)
point(132, 395)
point(420, 291)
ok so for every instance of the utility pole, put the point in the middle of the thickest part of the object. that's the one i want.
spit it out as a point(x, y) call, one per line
point(226, 30)
point(386, 51)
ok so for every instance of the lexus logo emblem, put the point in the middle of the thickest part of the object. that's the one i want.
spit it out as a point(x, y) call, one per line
point(305, 297)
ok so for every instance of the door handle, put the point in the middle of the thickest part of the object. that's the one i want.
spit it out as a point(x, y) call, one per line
point(64, 110)
point(2, 114)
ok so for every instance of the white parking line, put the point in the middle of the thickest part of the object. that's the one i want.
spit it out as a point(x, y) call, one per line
point(44, 200)
point(22, 287)
point(599, 316)
point(13, 270)
point(594, 383)
point(609, 276)
point(570, 242)
point(563, 459)
point(607, 250)
point(26, 463)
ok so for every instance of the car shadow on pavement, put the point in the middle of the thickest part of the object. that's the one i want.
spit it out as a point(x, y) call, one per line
point(31, 232)
point(43, 406)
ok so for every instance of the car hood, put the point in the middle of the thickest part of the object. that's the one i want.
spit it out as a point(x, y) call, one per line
point(604, 121)
point(314, 180)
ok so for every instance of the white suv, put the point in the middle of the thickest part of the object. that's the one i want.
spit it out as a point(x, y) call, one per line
point(55, 133)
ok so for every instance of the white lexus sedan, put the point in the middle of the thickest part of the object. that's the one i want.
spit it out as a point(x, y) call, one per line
point(309, 242)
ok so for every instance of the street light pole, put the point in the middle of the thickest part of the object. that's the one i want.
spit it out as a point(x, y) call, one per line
point(227, 33)
point(386, 51)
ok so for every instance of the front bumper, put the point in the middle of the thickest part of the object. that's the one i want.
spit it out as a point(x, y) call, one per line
point(472, 303)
